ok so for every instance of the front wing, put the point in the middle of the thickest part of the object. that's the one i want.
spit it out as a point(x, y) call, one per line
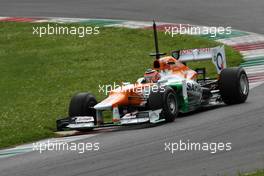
point(88, 122)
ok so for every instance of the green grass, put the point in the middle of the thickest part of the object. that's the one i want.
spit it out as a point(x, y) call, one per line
point(257, 173)
point(39, 75)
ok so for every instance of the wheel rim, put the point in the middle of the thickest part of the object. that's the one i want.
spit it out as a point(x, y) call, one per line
point(171, 103)
point(244, 84)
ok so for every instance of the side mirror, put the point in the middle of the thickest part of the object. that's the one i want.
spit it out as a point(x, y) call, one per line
point(175, 54)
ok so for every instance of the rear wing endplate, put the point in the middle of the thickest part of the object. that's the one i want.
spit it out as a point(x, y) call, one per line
point(216, 54)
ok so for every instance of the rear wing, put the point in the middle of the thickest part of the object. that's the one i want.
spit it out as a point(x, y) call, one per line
point(216, 54)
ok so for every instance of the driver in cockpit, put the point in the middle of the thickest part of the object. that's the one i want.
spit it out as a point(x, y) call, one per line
point(151, 76)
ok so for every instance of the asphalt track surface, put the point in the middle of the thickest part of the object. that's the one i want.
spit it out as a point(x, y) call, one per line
point(239, 14)
point(141, 151)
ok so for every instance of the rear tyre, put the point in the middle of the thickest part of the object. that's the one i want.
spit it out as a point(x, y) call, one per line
point(233, 85)
point(82, 105)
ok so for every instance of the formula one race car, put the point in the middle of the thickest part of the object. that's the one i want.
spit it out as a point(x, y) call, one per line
point(165, 90)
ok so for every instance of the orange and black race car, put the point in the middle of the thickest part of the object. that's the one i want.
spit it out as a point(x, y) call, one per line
point(167, 89)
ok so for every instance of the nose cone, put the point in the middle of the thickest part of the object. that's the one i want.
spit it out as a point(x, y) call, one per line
point(113, 100)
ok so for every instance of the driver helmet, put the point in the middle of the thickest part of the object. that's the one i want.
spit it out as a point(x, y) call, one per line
point(151, 76)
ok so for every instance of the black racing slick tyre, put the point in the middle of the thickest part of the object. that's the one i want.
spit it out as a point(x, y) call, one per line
point(233, 85)
point(82, 105)
point(155, 100)
point(166, 100)
point(170, 107)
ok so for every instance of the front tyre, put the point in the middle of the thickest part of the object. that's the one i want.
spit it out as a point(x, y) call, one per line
point(82, 105)
point(233, 85)
point(170, 107)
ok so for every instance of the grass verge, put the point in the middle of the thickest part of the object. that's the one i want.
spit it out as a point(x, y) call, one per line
point(257, 173)
point(39, 75)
